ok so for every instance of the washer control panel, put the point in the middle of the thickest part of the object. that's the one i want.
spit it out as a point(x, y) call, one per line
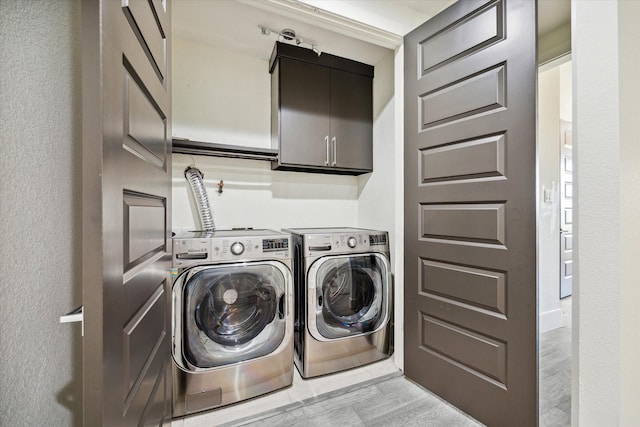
point(249, 248)
point(192, 250)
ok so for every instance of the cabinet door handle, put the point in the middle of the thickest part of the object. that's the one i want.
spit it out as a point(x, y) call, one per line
point(335, 151)
point(326, 141)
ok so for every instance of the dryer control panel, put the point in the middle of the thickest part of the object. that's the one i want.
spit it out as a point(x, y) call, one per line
point(345, 242)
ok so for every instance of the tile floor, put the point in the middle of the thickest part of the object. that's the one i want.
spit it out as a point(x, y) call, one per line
point(377, 395)
point(302, 392)
point(555, 378)
point(390, 403)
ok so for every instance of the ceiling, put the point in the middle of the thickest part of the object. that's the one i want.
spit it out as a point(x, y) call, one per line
point(234, 24)
point(552, 14)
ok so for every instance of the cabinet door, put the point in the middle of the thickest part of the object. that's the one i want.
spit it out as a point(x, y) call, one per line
point(304, 113)
point(351, 121)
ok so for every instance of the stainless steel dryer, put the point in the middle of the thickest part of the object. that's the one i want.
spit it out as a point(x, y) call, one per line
point(343, 299)
point(232, 317)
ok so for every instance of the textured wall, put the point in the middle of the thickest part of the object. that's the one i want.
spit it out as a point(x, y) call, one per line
point(40, 374)
point(629, 34)
point(607, 160)
point(597, 294)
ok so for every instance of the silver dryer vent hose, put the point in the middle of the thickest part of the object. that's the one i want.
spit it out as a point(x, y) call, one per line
point(194, 177)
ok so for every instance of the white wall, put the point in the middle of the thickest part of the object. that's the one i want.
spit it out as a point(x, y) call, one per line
point(566, 89)
point(398, 253)
point(220, 96)
point(376, 207)
point(379, 190)
point(225, 97)
point(629, 36)
point(40, 124)
point(606, 350)
point(253, 194)
point(554, 44)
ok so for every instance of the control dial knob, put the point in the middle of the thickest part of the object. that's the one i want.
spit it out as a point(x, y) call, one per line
point(237, 248)
point(352, 242)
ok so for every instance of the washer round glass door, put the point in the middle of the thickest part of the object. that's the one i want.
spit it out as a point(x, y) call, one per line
point(349, 295)
point(232, 312)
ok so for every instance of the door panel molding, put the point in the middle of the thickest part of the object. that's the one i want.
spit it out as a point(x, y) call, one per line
point(145, 125)
point(141, 342)
point(141, 15)
point(480, 288)
point(470, 96)
point(455, 42)
point(480, 222)
point(480, 158)
point(481, 355)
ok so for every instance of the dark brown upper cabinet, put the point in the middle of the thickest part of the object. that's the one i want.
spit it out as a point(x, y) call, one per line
point(321, 112)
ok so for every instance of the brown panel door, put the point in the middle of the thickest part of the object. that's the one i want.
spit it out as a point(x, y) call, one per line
point(566, 209)
point(126, 212)
point(470, 212)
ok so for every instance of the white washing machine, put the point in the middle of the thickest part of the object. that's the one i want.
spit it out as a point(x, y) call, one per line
point(343, 299)
point(232, 317)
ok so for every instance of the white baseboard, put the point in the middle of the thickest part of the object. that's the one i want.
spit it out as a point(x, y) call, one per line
point(549, 320)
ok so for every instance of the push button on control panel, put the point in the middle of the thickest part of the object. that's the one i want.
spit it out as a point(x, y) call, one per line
point(237, 248)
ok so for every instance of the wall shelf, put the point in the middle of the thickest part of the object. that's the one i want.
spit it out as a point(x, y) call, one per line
point(187, 146)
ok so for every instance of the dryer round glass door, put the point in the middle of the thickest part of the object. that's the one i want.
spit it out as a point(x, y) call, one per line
point(232, 312)
point(350, 296)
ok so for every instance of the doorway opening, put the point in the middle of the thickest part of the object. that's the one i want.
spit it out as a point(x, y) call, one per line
point(555, 241)
point(555, 213)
